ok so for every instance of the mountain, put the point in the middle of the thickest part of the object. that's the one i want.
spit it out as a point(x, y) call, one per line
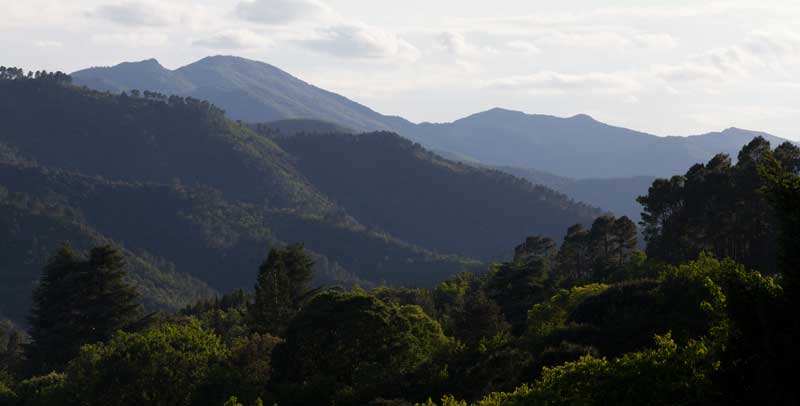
point(247, 90)
point(385, 180)
point(617, 195)
point(32, 226)
point(194, 196)
point(575, 147)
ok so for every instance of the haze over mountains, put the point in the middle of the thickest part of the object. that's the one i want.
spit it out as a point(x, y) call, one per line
point(575, 147)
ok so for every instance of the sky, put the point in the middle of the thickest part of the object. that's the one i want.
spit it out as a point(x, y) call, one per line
point(668, 67)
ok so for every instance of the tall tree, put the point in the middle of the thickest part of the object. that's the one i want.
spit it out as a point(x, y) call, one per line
point(601, 242)
point(79, 301)
point(282, 285)
point(783, 191)
point(717, 207)
point(515, 286)
point(573, 261)
point(107, 301)
point(625, 238)
point(53, 331)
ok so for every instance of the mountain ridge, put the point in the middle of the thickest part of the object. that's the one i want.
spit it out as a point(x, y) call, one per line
point(577, 147)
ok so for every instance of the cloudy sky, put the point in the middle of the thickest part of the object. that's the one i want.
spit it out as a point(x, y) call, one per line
point(662, 66)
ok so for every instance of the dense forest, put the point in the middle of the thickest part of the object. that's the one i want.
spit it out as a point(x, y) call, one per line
point(196, 199)
point(704, 315)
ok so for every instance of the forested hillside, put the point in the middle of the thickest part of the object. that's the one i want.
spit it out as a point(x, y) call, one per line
point(385, 180)
point(590, 321)
point(123, 216)
point(172, 178)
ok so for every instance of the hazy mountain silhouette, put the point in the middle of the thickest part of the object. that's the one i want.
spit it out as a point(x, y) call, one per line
point(247, 90)
point(576, 147)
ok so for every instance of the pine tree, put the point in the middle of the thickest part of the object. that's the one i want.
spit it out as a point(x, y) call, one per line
point(625, 239)
point(300, 268)
point(573, 255)
point(108, 302)
point(281, 288)
point(77, 302)
point(272, 307)
point(53, 325)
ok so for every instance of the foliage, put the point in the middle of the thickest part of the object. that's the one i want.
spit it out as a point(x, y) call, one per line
point(166, 365)
point(352, 348)
point(281, 288)
point(79, 301)
point(718, 208)
point(600, 252)
point(250, 363)
point(544, 317)
point(44, 390)
point(7, 396)
point(11, 346)
point(782, 188)
point(515, 287)
point(666, 375)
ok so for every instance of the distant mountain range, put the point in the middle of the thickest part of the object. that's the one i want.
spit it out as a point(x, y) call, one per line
point(247, 90)
point(576, 147)
point(196, 199)
point(603, 165)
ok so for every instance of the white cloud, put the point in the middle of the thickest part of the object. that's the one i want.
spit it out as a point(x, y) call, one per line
point(280, 11)
point(602, 38)
point(233, 39)
point(524, 47)
point(656, 41)
point(361, 42)
point(556, 82)
point(759, 50)
point(133, 13)
point(131, 39)
point(687, 73)
point(455, 43)
point(47, 44)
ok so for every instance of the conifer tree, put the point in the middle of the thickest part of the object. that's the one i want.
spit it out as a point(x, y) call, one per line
point(108, 302)
point(53, 325)
point(282, 284)
point(77, 302)
point(271, 309)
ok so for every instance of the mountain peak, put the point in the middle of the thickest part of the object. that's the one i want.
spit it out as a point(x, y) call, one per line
point(222, 58)
point(151, 63)
point(500, 110)
point(231, 61)
point(737, 130)
point(582, 117)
